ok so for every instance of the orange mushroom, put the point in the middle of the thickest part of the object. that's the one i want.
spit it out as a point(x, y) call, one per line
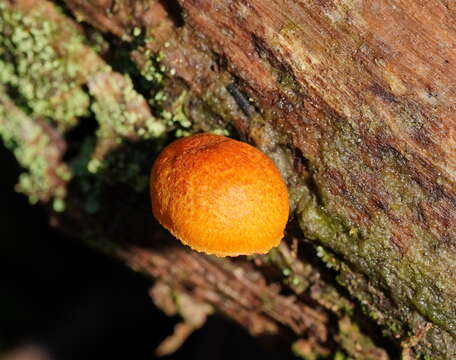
point(219, 196)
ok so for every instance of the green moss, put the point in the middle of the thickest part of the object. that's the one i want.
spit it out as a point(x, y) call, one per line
point(418, 280)
point(329, 259)
point(318, 225)
point(356, 344)
point(295, 281)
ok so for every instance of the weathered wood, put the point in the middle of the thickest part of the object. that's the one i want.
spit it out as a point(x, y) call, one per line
point(354, 101)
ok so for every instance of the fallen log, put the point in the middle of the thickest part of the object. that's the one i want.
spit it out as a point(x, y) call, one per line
point(354, 101)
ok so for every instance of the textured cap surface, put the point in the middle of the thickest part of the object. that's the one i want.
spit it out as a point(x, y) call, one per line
point(219, 196)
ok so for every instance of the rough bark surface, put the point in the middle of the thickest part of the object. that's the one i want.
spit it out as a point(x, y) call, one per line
point(353, 100)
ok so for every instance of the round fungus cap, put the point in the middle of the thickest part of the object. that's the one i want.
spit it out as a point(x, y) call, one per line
point(219, 196)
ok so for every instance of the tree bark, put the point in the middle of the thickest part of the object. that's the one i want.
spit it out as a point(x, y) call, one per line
point(353, 100)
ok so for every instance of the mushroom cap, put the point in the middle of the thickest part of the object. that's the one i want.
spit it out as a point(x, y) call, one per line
point(219, 196)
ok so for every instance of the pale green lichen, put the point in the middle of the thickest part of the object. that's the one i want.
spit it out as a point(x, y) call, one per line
point(122, 114)
point(176, 118)
point(32, 148)
point(152, 69)
point(58, 205)
point(136, 31)
point(45, 59)
point(220, 131)
point(339, 355)
point(45, 67)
